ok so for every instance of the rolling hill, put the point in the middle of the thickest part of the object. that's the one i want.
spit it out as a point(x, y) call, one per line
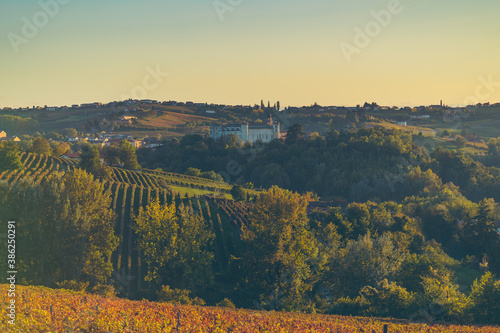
point(131, 190)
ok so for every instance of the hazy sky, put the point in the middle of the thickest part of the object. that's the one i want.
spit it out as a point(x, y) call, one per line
point(295, 51)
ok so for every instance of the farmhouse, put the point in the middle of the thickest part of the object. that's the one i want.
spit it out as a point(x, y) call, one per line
point(264, 133)
point(127, 120)
point(69, 155)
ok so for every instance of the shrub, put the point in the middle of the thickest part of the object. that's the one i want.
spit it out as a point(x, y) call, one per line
point(347, 306)
point(239, 193)
point(193, 172)
point(178, 296)
point(73, 285)
point(104, 290)
point(226, 303)
point(484, 300)
point(388, 300)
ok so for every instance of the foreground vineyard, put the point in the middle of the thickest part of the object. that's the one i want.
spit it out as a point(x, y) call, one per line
point(46, 310)
point(131, 190)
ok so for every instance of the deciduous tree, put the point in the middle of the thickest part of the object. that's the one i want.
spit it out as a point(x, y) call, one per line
point(65, 229)
point(283, 254)
point(41, 146)
point(128, 155)
point(9, 157)
point(175, 243)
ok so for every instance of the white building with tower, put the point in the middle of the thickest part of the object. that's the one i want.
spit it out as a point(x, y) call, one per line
point(265, 133)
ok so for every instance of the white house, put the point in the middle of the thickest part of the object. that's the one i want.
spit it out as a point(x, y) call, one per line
point(264, 133)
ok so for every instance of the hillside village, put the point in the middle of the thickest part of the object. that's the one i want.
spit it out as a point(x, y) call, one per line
point(147, 123)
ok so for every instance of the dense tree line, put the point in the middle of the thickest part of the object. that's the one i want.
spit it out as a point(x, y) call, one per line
point(92, 162)
point(369, 164)
point(422, 248)
point(64, 230)
point(368, 259)
point(355, 166)
point(474, 179)
point(15, 125)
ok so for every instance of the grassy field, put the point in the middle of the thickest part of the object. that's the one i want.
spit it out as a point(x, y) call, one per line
point(40, 309)
point(481, 125)
point(166, 119)
point(192, 192)
point(160, 179)
point(169, 108)
point(483, 122)
point(471, 148)
point(415, 130)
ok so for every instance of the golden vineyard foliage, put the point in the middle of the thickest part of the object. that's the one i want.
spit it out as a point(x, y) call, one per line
point(41, 309)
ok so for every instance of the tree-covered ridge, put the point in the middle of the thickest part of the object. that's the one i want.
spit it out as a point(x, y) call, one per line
point(65, 229)
point(430, 240)
point(369, 164)
point(473, 178)
point(356, 166)
point(15, 125)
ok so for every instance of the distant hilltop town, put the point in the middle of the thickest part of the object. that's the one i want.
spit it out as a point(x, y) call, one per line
point(150, 123)
point(209, 107)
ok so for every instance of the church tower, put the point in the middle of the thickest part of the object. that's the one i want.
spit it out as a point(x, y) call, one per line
point(270, 120)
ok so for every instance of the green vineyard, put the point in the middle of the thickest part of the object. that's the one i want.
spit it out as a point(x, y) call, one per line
point(131, 190)
point(150, 178)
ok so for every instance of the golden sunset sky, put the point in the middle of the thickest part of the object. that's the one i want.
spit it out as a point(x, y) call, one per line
point(414, 52)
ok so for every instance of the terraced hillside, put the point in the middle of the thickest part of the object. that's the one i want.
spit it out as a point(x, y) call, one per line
point(131, 190)
point(182, 184)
